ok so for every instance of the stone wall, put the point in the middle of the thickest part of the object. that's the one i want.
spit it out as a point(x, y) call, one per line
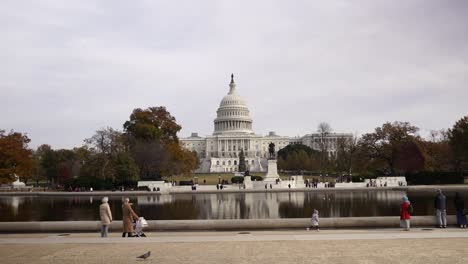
point(225, 224)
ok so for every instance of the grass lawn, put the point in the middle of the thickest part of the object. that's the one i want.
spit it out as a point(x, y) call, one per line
point(210, 178)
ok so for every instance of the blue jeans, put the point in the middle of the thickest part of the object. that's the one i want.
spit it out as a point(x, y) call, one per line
point(441, 217)
point(461, 219)
point(104, 230)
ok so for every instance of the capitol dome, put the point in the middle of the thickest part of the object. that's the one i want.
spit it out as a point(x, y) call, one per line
point(233, 115)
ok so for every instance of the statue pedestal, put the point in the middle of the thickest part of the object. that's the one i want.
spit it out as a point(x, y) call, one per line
point(17, 184)
point(248, 182)
point(272, 172)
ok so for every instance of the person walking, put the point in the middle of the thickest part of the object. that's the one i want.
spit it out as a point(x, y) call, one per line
point(128, 215)
point(405, 213)
point(440, 205)
point(314, 221)
point(460, 210)
point(106, 216)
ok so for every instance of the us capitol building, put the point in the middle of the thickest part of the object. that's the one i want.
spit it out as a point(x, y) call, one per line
point(233, 132)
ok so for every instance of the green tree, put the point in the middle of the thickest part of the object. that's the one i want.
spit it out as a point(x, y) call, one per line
point(346, 149)
point(242, 166)
point(106, 144)
point(458, 140)
point(154, 123)
point(38, 173)
point(154, 145)
point(125, 170)
point(15, 157)
point(48, 162)
point(298, 157)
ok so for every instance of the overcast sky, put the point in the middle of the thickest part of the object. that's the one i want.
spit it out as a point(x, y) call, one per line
point(69, 68)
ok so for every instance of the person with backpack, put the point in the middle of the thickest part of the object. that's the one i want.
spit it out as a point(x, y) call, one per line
point(406, 209)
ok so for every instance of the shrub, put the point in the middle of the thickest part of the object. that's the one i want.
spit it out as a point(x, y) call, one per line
point(186, 183)
point(87, 182)
point(357, 178)
point(256, 178)
point(237, 179)
point(434, 177)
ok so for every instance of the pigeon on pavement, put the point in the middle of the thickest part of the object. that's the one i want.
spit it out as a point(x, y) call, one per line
point(145, 256)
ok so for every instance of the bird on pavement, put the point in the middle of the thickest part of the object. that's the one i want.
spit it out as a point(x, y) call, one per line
point(144, 256)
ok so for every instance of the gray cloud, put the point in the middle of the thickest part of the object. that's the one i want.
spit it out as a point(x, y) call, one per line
point(71, 67)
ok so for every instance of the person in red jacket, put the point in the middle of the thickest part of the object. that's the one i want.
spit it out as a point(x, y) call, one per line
point(405, 210)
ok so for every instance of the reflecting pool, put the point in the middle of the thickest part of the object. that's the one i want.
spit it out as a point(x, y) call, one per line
point(223, 205)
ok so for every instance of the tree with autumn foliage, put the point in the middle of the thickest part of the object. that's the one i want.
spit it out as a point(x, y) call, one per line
point(437, 151)
point(154, 145)
point(15, 157)
point(393, 144)
point(458, 140)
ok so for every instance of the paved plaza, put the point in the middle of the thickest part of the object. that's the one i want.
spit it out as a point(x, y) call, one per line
point(327, 246)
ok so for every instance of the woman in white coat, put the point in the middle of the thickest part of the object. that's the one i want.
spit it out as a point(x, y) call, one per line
point(106, 216)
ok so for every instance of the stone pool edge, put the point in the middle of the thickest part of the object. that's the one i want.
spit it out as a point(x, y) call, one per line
point(233, 190)
point(222, 224)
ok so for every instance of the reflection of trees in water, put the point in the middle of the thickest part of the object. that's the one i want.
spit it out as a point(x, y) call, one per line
point(344, 204)
point(167, 206)
point(418, 198)
point(48, 208)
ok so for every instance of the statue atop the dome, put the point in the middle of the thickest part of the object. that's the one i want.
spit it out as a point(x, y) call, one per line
point(232, 77)
point(271, 150)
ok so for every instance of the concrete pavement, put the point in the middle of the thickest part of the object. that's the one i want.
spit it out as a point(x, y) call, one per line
point(238, 236)
point(259, 247)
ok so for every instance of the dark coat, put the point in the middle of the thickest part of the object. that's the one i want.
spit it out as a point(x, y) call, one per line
point(459, 203)
point(440, 202)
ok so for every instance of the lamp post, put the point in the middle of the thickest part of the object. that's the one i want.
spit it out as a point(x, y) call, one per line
point(219, 179)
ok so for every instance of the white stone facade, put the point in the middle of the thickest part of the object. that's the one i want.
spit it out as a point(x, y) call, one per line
point(233, 131)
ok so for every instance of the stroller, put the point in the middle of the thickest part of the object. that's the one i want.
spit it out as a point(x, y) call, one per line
point(139, 225)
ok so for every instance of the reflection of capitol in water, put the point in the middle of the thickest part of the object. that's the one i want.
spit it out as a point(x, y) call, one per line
point(278, 204)
point(230, 205)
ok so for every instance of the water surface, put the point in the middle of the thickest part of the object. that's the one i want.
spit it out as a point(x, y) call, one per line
point(222, 205)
